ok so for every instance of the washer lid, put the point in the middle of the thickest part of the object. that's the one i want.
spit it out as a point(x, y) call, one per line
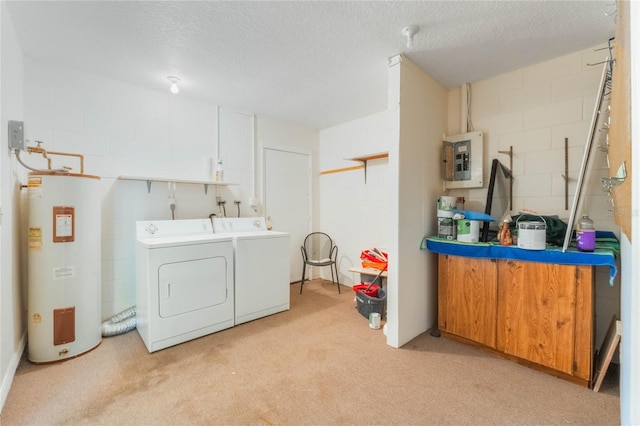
point(258, 234)
point(239, 224)
point(172, 228)
point(183, 240)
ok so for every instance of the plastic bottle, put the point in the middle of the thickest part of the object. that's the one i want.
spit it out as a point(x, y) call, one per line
point(585, 234)
point(219, 172)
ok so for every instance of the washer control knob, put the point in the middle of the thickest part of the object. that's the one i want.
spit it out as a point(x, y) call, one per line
point(152, 229)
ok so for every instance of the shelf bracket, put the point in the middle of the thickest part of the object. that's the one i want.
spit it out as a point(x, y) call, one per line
point(149, 186)
point(366, 158)
point(364, 164)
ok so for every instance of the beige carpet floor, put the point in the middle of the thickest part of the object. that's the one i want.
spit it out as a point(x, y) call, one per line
point(316, 364)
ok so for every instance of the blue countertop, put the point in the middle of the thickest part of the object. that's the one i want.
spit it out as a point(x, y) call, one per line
point(604, 255)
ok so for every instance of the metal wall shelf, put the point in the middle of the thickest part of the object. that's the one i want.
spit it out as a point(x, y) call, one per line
point(149, 180)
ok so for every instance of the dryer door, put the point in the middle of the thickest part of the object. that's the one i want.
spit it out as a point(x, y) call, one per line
point(191, 285)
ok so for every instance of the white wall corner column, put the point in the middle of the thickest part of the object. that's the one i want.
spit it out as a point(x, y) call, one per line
point(630, 293)
point(421, 119)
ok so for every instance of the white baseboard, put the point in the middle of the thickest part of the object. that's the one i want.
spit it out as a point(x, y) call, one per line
point(7, 380)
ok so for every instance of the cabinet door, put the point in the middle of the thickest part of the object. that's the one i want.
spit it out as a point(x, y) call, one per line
point(467, 298)
point(537, 315)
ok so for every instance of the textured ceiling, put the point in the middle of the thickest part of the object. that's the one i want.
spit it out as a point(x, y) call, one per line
point(315, 63)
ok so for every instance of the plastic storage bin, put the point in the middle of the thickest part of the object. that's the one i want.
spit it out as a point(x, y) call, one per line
point(367, 304)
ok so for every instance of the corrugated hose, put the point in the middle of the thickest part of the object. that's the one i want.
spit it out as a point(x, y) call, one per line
point(120, 323)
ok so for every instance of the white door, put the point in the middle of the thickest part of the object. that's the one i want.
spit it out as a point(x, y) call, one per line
point(287, 199)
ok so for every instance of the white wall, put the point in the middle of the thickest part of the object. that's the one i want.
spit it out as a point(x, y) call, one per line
point(236, 149)
point(534, 109)
point(122, 130)
point(127, 130)
point(354, 213)
point(12, 297)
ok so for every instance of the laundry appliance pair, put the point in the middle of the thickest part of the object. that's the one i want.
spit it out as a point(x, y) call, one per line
point(191, 282)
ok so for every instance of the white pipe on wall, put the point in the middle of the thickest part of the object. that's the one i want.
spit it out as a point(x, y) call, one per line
point(464, 110)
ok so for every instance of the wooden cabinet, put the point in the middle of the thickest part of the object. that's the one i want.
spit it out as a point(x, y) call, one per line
point(539, 313)
point(467, 298)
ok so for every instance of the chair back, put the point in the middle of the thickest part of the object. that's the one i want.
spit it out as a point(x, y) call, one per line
point(318, 246)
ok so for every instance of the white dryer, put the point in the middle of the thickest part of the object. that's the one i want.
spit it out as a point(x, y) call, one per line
point(262, 263)
point(184, 281)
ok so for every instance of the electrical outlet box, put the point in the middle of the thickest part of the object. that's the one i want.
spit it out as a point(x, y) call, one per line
point(16, 135)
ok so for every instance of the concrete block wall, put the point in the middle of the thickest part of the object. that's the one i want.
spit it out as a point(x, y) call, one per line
point(533, 110)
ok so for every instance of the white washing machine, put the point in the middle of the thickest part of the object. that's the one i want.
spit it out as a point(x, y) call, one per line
point(262, 263)
point(184, 281)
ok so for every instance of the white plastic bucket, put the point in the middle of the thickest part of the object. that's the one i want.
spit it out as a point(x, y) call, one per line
point(468, 231)
point(445, 206)
point(532, 235)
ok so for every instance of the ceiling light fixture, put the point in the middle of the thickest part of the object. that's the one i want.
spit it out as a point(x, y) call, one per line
point(409, 32)
point(174, 84)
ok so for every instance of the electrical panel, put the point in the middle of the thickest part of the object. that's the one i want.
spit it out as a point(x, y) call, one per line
point(16, 135)
point(462, 160)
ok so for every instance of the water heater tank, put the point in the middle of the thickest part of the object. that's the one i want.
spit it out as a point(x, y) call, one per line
point(64, 265)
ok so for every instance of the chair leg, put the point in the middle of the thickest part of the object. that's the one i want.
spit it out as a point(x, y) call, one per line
point(304, 267)
point(335, 280)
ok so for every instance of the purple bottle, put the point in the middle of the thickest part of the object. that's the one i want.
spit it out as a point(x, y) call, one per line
point(586, 234)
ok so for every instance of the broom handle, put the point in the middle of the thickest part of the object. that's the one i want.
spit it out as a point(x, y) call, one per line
point(374, 280)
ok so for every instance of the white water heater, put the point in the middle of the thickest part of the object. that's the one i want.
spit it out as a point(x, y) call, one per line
point(64, 265)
